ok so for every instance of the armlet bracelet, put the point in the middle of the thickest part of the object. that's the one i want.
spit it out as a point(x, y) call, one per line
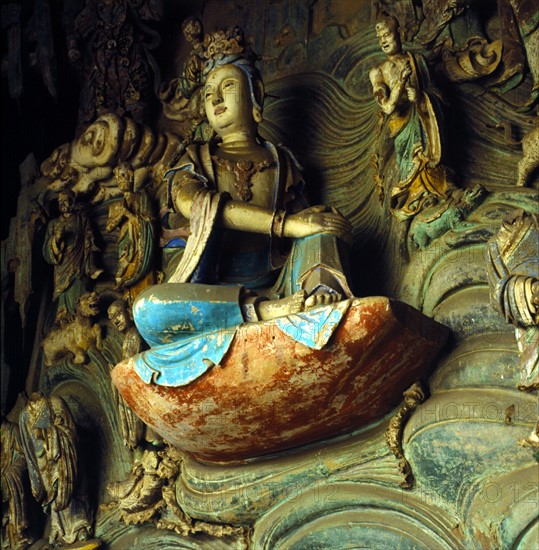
point(277, 223)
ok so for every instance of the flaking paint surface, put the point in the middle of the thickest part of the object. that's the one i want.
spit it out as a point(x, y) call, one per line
point(271, 393)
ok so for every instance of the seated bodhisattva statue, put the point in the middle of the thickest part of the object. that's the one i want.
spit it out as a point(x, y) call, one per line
point(256, 251)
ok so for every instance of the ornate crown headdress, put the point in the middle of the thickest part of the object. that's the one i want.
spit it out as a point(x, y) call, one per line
point(229, 46)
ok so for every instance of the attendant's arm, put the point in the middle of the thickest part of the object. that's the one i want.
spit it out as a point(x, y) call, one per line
point(56, 243)
point(388, 101)
point(117, 213)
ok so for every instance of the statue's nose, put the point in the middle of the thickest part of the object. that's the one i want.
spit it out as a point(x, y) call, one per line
point(217, 97)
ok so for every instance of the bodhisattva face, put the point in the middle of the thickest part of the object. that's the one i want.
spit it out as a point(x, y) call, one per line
point(228, 102)
point(388, 38)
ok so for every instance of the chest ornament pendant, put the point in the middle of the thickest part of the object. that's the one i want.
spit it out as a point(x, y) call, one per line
point(243, 171)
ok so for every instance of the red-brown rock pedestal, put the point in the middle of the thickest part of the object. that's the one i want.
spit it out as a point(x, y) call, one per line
point(271, 393)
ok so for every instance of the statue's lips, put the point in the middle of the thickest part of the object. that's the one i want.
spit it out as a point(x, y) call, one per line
point(219, 110)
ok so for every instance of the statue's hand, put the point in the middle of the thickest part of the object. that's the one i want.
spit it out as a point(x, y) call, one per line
point(411, 93)
point(406, 71)
point(318, 219)
point(58, 232)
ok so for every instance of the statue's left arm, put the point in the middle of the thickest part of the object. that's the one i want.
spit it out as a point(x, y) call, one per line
point(241, 216)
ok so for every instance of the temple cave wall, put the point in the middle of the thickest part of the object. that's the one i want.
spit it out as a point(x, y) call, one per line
point(475, 487)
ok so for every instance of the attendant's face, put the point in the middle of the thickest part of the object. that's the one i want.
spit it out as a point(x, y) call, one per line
point(119, 318)
point(388, 38)
point(228, 103)
point(124, 178)
point(65, 202)
point(55, 164)
point(166, 469)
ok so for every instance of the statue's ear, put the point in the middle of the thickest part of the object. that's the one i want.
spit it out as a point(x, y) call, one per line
point(259, 91)
point(257, 115)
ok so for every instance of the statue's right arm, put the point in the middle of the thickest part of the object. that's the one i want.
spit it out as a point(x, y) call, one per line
point(386, 98)
point(53, 245)
point(379, 88)
point(235, 215)
point(56, 251)
point(116, 215)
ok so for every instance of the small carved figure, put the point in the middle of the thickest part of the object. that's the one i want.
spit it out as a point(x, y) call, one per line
point(455, 29)
point(401, 86)
point(148, 493)
point(435, 221)
point(86, 165)
point(131, 426)
point(82, 165)
point(69, 246)
point(76, 335)
point(118, 70)
point(192, 71)
point(513, 266)
point(49, 440)
point(172, 517)
point(513, 270)
point(133, 215)
point(181, 97)
point(139, 496)
point(121, 318)
point(58, 169)
point(14, 470)
point(520, 36)
point(529, 164)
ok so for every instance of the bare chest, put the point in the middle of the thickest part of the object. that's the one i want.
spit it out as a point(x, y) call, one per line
point(392, 70)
